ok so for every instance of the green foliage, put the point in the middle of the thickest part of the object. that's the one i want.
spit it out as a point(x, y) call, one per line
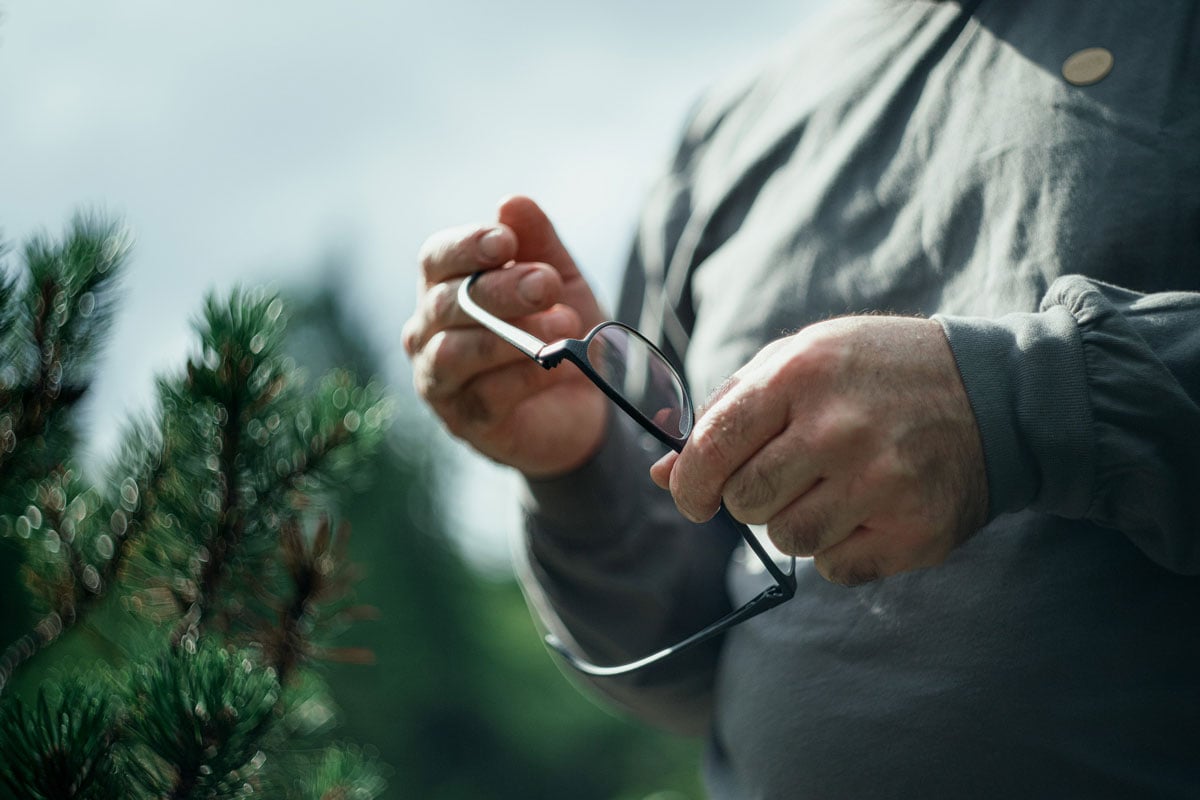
point(196, 722)
point(343, 773)
point(54, 312)
point(62, 747)
point(203, 574)
point(210, 525)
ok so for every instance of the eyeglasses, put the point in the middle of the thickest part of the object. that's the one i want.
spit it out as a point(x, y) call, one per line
point(641, 381)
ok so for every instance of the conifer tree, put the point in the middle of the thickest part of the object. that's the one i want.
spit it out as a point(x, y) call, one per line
point(207, 537)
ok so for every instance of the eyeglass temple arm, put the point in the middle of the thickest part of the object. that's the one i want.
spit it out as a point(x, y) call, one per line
point(783, 590)
point(526, 342)
point(769, 598)
point(785, 580)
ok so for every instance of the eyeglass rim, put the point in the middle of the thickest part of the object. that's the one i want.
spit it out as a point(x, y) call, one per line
point(576, 350)
point(551, 354)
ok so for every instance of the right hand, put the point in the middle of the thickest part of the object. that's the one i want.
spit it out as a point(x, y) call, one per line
point(542, 422)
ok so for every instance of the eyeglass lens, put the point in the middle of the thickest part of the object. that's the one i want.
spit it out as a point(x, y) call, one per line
point(629, 364)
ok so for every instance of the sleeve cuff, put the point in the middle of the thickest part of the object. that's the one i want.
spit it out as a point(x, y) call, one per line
point(594, 503)
point(1026, 380)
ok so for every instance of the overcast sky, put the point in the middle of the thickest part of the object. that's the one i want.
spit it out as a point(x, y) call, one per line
point(244, 142)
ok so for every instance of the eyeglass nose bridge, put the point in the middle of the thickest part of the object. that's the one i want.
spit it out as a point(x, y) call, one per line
point(576, 351)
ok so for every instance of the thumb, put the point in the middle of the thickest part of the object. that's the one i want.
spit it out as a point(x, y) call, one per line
point(536, 239)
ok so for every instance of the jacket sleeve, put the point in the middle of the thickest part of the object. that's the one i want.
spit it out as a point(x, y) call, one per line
point(1090, 409)
point(612, 568)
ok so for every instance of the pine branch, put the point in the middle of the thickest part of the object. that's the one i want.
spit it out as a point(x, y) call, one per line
point(62, 749)
point(238, 372)
point(84, 585)
point(64, 595)
point(280, 472)
point(31, 404)
point(338, 427)
point(56, 314)
point(131, 510)
point(229, 531)
point(199, 716)
point(320, 578)
point(47, 630)
point(344, 773)
point(214, 505)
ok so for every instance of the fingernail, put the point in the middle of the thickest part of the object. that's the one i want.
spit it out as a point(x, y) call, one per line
point(491, 244)
point(532, 288)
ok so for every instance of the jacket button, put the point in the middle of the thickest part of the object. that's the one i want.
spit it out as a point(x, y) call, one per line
point(1088, 66)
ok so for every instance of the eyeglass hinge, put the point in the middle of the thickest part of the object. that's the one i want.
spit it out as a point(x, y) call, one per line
point(552, 354)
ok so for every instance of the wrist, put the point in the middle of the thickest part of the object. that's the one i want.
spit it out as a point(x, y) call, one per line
point(598, 488)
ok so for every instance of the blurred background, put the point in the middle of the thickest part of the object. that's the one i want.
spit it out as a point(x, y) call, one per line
point(312, 147)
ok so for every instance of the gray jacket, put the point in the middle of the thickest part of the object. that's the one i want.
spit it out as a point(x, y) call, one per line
point(930, 158)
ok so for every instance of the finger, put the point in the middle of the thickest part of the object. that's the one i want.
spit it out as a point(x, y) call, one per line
point(458, 252)
point(510, 293)
point(770, 480)
point(455, 356)
point(660, 471)
point(743, 420)
point(516, 291)
point(856, 560)
point(872, 553)
point(761, 359)
point(537, 240)
point(819, 519)
point(490, 398)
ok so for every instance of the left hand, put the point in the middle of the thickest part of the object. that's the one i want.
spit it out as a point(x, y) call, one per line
point(853, 441)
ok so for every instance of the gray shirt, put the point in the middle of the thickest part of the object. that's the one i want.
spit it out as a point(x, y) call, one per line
point(930, 158)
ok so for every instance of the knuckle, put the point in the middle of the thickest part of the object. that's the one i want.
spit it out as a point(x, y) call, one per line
point(813, 356)
point(423, 386)
point(556, 323)
point(439, 253)
point(410, 337)
point(848, 572)
point(424, 383)
point(707, 441)
point(750, 491)
point(442, 300)
point(430, 376)
point(442, 350)
point(798, 533)
point(831, 420)
point(431, 254)
point(691, 495)
point(483, 345)
point(451, 358)
point(471, 409)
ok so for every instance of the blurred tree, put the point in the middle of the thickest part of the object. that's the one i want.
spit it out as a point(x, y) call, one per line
point(464, 701)
point(200, 578)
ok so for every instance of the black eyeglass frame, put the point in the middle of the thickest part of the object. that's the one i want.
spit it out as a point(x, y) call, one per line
point(550, 355)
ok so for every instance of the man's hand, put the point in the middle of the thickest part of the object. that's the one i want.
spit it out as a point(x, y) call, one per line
point(853, 441)
point(543, 422)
